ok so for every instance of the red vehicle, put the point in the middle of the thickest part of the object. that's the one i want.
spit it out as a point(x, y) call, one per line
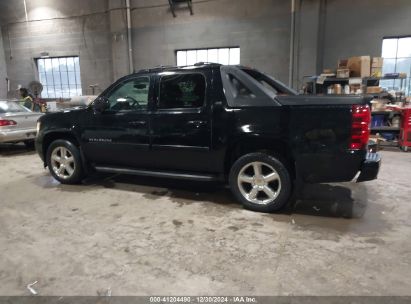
point(405, 134)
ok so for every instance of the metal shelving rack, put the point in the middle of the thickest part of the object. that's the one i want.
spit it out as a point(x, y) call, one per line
point(318, 88)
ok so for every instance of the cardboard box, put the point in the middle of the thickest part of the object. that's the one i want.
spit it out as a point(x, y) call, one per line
point(378, 104)
point(359, 66)
point(377, 62)
point(376, 72)
point(342, 64)
point(353, 81)
point(356, 89)
point(343, 73)
point(374, 90)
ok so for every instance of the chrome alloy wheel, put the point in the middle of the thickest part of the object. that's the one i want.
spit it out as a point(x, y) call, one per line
point(62, 162)
point(259, 183)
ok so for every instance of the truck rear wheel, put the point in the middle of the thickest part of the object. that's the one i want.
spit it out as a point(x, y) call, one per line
point(64, 162)
point(260, 182)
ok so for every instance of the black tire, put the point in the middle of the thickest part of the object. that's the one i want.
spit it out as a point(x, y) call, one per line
point(283, 182)
point(29, 144)
point(78, 172)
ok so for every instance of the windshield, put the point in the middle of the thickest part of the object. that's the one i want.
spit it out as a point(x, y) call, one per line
point(11, 107)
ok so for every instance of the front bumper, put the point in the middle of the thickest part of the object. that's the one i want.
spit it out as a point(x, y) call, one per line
point(38, 144)
point(370, 167)
point(17, 135)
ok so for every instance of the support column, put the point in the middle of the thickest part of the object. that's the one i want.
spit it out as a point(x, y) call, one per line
point(309, 48)
point(3, 70)
point(119, 43)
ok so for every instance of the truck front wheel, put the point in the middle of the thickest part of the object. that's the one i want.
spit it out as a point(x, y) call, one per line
point(64, 162)
point(260, 182)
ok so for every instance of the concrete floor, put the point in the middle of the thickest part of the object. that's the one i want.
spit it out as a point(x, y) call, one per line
point(144, 237)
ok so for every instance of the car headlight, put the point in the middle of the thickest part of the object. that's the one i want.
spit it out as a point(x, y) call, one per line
point(38, 127)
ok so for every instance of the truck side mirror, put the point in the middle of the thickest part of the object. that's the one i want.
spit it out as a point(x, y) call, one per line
point(101, 104)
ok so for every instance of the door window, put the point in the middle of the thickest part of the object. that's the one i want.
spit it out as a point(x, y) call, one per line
point(182, 91)
point(131, 95)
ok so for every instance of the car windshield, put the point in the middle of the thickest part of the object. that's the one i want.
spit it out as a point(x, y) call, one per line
point(11, 107)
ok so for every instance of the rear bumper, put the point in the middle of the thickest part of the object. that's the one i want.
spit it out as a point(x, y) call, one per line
point(370, 167)
point(17, 135)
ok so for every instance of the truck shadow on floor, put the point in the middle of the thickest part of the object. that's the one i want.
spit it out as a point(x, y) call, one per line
point(347, 200)
point(15, 149)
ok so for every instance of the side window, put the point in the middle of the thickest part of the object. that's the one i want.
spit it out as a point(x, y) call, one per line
point(131, 95)
point(239, 89)
point(182, 91)
point(263, 80)
point(269, 86)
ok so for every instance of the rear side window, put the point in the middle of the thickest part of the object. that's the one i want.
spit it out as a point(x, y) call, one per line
point(263, 80)
point(243, 90)
point(273, 86)
point(239, 88)
point(182, 91)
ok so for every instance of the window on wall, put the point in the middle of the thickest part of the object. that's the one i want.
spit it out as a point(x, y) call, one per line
point(227, 56)
point(60, 77)
point(397, 59)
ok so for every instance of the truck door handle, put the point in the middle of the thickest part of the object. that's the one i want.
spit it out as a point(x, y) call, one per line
point(138, 123)
point(196, 123)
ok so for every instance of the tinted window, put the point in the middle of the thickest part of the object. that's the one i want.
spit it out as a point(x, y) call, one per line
point(262, 79)
point(130, 95)
point(274, 86)
point(182, 91)
point(239, 89)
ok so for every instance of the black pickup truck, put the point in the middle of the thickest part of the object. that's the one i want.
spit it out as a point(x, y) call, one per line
point(210, 122)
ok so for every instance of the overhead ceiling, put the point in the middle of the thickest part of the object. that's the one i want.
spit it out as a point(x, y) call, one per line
point(11, 11)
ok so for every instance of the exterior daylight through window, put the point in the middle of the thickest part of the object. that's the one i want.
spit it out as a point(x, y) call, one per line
point(60, 77)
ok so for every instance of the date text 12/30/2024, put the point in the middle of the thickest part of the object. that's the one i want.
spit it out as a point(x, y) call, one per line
point(206, 299)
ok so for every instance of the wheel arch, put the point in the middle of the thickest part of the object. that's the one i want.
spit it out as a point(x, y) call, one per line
point(55, 135)
point(251, 144)
point(50, 137)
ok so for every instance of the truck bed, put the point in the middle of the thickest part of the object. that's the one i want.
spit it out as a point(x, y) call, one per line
point(295, 100)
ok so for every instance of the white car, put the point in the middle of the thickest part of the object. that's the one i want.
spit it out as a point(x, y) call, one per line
point(17, 123)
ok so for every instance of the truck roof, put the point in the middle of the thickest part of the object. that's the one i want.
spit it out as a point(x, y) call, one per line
point(196, 66)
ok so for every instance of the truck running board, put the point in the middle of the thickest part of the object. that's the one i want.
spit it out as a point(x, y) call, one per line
point(163, 174)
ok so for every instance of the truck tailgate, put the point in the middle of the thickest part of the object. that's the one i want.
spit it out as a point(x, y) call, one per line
point(323, 133)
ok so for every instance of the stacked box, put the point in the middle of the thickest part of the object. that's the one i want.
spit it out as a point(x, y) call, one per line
point(374, 90)
point(376, 66)
point(343, 73)
point(359, 66)
point(342, 64)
